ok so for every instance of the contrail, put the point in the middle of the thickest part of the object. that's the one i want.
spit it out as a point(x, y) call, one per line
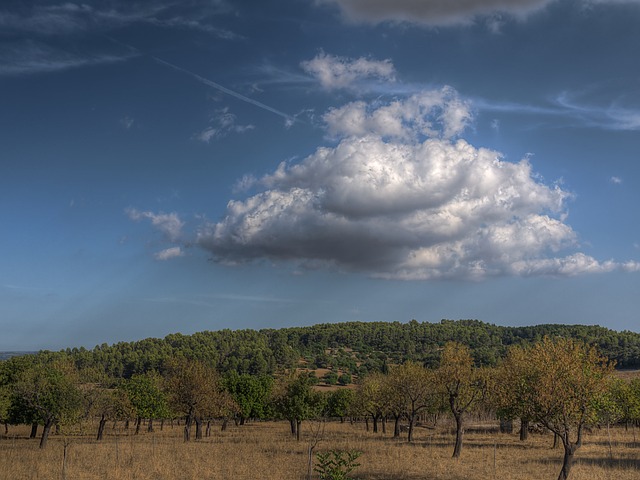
point(226, 90)
point(290, 120)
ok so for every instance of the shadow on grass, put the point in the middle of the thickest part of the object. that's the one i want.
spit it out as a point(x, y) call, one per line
point(605, 462)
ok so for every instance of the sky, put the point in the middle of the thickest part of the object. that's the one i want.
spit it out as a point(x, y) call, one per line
point(179, 166)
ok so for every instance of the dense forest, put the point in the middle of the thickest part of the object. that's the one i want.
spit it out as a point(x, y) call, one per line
point(354, 348)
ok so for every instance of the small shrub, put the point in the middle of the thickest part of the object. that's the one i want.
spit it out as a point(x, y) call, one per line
point(337, 464)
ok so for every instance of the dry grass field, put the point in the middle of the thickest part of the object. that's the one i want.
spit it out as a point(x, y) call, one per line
point(266, 451)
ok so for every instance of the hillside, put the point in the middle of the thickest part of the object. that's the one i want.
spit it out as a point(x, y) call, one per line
point(353, 347)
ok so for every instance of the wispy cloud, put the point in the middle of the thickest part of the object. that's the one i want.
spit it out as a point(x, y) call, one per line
point(73, 18)
point(223, 122)
point(30, 57)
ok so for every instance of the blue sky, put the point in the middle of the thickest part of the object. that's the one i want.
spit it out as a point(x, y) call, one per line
point(178, 166)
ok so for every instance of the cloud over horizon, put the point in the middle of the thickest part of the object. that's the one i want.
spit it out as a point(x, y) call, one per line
point(401, 197)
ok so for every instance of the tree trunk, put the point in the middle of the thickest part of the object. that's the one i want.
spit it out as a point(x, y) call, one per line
point(126, 424)
point(225, 422)
point(524, 429)
point(459, 434)
point(298, 424)
point(198, 421)
point(375, 423)
point(567, 462)
point(6, 428)
point(101, 424)
point(187, 428)
point(34, 430)
point(292, 425)
point(138, 423)
point(412, 421)
point(242, 420)
point(208, 431)
point(45, 433)
point(396, 426)
point(366, 422)
point(384, 425)
point(150, 425)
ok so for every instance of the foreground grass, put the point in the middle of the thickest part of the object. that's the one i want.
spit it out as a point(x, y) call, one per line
point(266, 451)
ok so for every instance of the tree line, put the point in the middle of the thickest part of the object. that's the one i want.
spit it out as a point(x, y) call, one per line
point(562, 384)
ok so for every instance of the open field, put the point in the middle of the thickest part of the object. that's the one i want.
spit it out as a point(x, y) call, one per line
point(266, 451)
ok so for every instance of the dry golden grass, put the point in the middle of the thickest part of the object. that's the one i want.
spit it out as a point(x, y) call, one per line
point(266, 451)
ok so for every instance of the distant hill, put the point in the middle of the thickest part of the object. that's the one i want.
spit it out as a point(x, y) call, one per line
point(6, 355)
point(353, 348)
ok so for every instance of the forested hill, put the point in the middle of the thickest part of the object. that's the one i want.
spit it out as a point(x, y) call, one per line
point(354, 347)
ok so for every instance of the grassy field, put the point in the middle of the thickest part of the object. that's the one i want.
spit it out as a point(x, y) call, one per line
point(266, 451)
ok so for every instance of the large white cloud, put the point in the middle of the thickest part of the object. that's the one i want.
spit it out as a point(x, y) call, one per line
point(405, 203)
point(339, 72)
point(441, 12)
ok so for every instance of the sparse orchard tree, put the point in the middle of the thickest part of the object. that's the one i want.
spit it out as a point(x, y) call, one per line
point(462, 384)
point(414, 387)
point(371, 399)
point(563, 383)
point(195, 391)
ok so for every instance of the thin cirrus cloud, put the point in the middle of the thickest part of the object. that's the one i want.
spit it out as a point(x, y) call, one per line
point(29, 57)
point(71, 18)
point(334, 72)
point(443, 12)
point(401, 196)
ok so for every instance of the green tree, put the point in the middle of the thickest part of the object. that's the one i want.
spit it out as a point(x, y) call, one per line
point(144, 392)
point(46, 392)
point(295, 400)
point(251, 394)
point(339, 402)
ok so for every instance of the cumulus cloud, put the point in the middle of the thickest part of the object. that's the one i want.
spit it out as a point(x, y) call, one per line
point(339, 72)
point(429, 113)
point(169, 224)
point(404, 203)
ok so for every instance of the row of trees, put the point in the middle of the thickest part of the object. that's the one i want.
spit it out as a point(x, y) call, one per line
point(561, 384)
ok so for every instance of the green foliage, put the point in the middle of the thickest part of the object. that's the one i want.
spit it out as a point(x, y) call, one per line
point(144, 392)
point(251, 393)
point(337, 464)
point(339, 402)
